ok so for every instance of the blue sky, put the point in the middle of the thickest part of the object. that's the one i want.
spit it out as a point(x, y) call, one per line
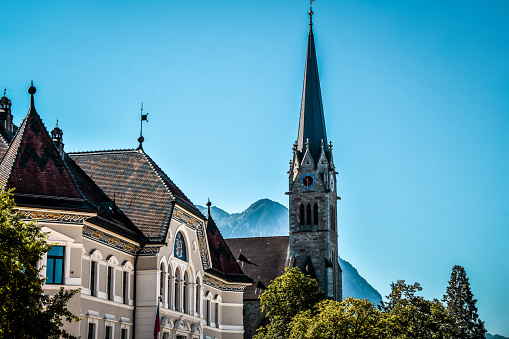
point(416, 100)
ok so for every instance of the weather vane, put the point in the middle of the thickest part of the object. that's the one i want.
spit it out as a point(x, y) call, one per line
point(144, 117)
point(311, 13)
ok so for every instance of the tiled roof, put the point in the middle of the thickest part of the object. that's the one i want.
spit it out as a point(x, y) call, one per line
point(33, 166)
point(221, 256)
point(270, 254)
point(140, 188)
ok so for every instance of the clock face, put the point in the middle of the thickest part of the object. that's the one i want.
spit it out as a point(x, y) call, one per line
point(331, 178)
point(308, 180)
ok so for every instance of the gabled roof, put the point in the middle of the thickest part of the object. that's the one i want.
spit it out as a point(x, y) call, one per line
point(139, 187)
point(33, 166)
point(222, 258)
point(312, 121)
point(270, 254)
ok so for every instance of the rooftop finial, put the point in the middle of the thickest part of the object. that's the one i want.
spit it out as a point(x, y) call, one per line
point(32, 90)
point(208, 207)
point(144, 117)
point(5, 90)
point(311, 14)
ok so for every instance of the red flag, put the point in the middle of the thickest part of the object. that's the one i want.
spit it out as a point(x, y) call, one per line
point(157, 325)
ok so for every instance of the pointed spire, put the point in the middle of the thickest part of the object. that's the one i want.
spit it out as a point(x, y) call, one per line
point(208, 208)
point(312, 121)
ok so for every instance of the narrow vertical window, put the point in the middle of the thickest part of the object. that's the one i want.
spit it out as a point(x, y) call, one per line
point(123, 333)
point(208, 312)
point(198, 297)
point(91, 331)
point(169, 288)
point(125, 289)
point(186, 296)
point(315, 214)
point(55, 265)
point(177, 292)
point(301, 214)
point(217, 314)
point(110, 283)
point(93, 273)
point(108, 332)
point(308, 215)
point(161, 283)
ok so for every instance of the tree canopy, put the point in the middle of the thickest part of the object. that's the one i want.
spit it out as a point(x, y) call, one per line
point(287, 296)
point(25, 312)
point(461, 305)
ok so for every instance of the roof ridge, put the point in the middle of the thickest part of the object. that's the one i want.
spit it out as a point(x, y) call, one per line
point(16, 139)
point(118, 150)
point(153, 166)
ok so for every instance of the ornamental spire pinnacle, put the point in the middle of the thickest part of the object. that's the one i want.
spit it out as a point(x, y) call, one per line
point(312, 121)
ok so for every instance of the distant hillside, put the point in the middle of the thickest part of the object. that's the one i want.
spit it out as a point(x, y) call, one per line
point(496, 336)
point(266, 218)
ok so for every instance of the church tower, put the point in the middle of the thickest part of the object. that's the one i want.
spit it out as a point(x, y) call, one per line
point(312, 188)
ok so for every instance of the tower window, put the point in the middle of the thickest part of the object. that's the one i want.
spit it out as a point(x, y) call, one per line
point(315, 214)
point(308, 215)
point(302, 217)
point(110, 283)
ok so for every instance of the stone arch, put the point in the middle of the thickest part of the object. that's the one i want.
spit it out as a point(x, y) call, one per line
point(96, 254)
point(112, 260)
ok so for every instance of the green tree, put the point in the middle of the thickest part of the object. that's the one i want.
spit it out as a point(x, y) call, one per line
point(25, 312)
point(461, 305)
point(348, 319)
point(287, 296)
point(412, 316)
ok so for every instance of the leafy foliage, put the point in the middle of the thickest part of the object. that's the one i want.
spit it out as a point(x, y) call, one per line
point(412, 316)
point(287, 296)
point(348, 319)
point(461, 305)
point(25, 312)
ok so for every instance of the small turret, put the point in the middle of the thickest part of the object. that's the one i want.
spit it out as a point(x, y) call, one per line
point(56, 136)
point(5, 113)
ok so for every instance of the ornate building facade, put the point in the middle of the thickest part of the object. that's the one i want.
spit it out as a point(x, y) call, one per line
point(125, 235)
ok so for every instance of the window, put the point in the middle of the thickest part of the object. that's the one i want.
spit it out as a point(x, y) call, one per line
point(125, 289)
point(186, 293)
point(302, 217)
point(161, 282)
point(198, 296)
point(55, 265)
point(91, 331)
point(123, 333)
point(108, 332)
point(217, 314)
point(180, 247)
point(208, 312)
point(177, 290)
point(315, 214)
point(93, 275)
point(166, 335)
point(110, 283)
point(169, 289)
point(308, 215)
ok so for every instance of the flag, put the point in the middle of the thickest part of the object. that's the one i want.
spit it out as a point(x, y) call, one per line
point(144, 117)
point(157, 325)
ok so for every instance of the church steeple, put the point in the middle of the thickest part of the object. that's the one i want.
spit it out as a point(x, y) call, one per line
point(312, 121)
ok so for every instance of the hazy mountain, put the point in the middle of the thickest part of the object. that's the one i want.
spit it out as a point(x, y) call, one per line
point(264, 218)
point(269, 218)
point(496, 336)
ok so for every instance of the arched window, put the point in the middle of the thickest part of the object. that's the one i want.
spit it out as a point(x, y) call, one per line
point(177, 290)
point(302, 217)
point(198, 296)
point(217, 314)
point(315, 214)
point(161, 282)
point(308, 215)
point(208, 310)
point(186, 293)
point(180, 251)
point(168, 294)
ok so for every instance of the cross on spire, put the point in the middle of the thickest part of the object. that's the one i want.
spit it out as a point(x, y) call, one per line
point(311, 14)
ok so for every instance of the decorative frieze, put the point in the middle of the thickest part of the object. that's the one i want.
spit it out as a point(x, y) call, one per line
point(198, 226)
point(108, 240)
point(53, 217)
point(224, 286)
